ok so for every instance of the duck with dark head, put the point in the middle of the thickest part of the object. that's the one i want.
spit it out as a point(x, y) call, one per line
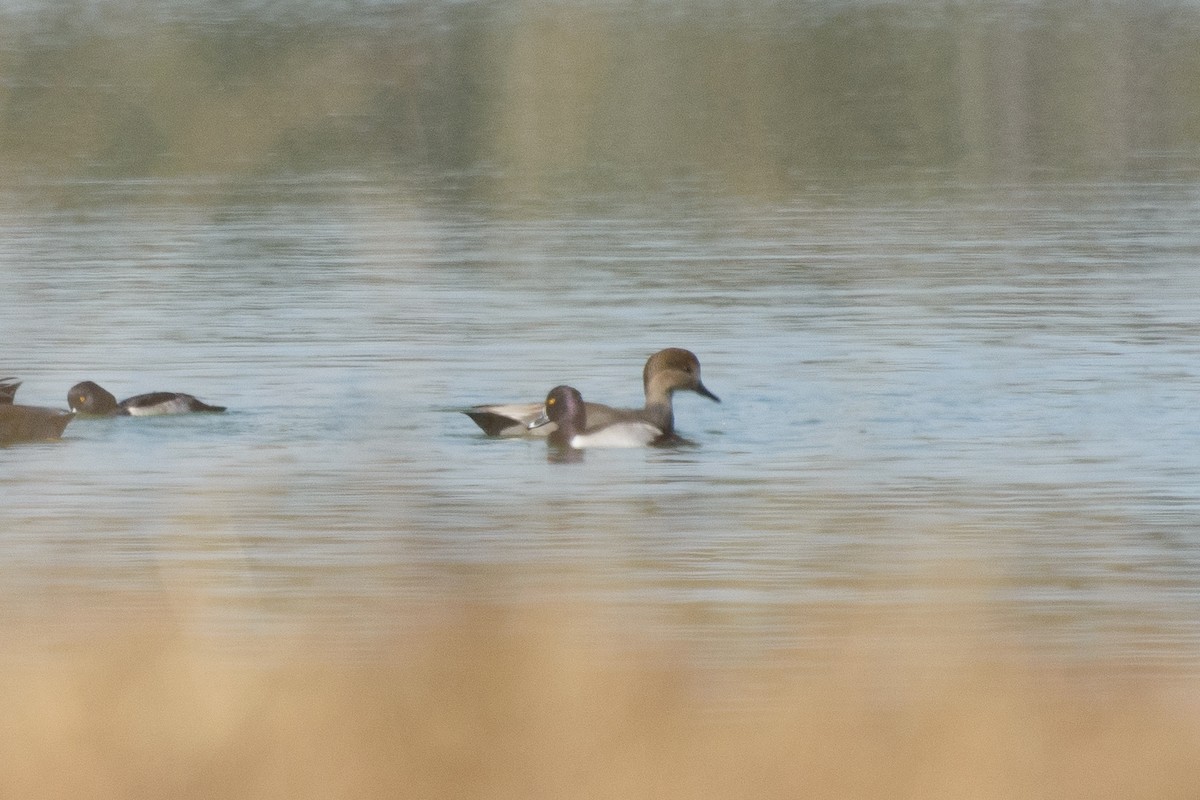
point(565, 408)
point(95, 401)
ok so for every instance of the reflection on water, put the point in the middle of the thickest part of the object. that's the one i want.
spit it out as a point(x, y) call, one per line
point(927, 395)
point(554, 97)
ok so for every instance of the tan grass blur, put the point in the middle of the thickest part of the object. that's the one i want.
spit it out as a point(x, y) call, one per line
point(495, 703)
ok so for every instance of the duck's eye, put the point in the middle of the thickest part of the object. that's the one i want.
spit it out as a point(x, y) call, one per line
point(551, 401)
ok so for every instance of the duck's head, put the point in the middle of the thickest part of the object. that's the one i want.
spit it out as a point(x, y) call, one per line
point(674, 369)
point(564, 407)
point(91, 398)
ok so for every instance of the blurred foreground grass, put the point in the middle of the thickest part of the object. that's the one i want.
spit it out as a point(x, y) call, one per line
point(498, 703)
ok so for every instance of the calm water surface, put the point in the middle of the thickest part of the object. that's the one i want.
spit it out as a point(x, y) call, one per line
point(982, 397)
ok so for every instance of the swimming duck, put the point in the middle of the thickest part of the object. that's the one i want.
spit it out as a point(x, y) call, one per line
point(667, 371)
point(93, 400)
point(565, 408)
point(27, 423)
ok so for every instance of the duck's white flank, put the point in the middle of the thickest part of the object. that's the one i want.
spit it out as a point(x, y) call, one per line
point(620, 434)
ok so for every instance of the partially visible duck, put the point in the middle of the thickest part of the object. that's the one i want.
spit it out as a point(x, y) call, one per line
point(93, 400)
point(27, 423)
point(564, 407)
point(31, 423)
point(8, 390)
point(666, 372)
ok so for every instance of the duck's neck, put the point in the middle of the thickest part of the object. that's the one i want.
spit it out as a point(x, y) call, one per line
point(658, 401)
point(561, 436)
point(567, 426)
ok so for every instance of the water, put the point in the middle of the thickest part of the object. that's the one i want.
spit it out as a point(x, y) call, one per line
point(971, 397)
point(938, 262)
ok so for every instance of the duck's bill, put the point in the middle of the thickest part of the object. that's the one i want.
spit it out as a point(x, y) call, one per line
point(703, 390)
point(539, 421)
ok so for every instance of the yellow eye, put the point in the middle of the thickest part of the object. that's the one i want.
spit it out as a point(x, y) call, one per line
point(551, 401)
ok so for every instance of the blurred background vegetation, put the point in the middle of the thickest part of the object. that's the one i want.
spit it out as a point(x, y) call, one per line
point(758, 96)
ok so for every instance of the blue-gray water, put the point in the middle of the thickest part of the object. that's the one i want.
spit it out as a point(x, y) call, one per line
point(950, 395)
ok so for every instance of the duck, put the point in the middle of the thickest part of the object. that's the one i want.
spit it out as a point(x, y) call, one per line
point(8, 390)
point(19, 423)
point(564, 407)
point(94, 400)
point(666, 372)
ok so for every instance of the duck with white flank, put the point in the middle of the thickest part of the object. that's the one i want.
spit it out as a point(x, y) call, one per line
point(666, 372)
point(564, 407)
point(93, 400)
